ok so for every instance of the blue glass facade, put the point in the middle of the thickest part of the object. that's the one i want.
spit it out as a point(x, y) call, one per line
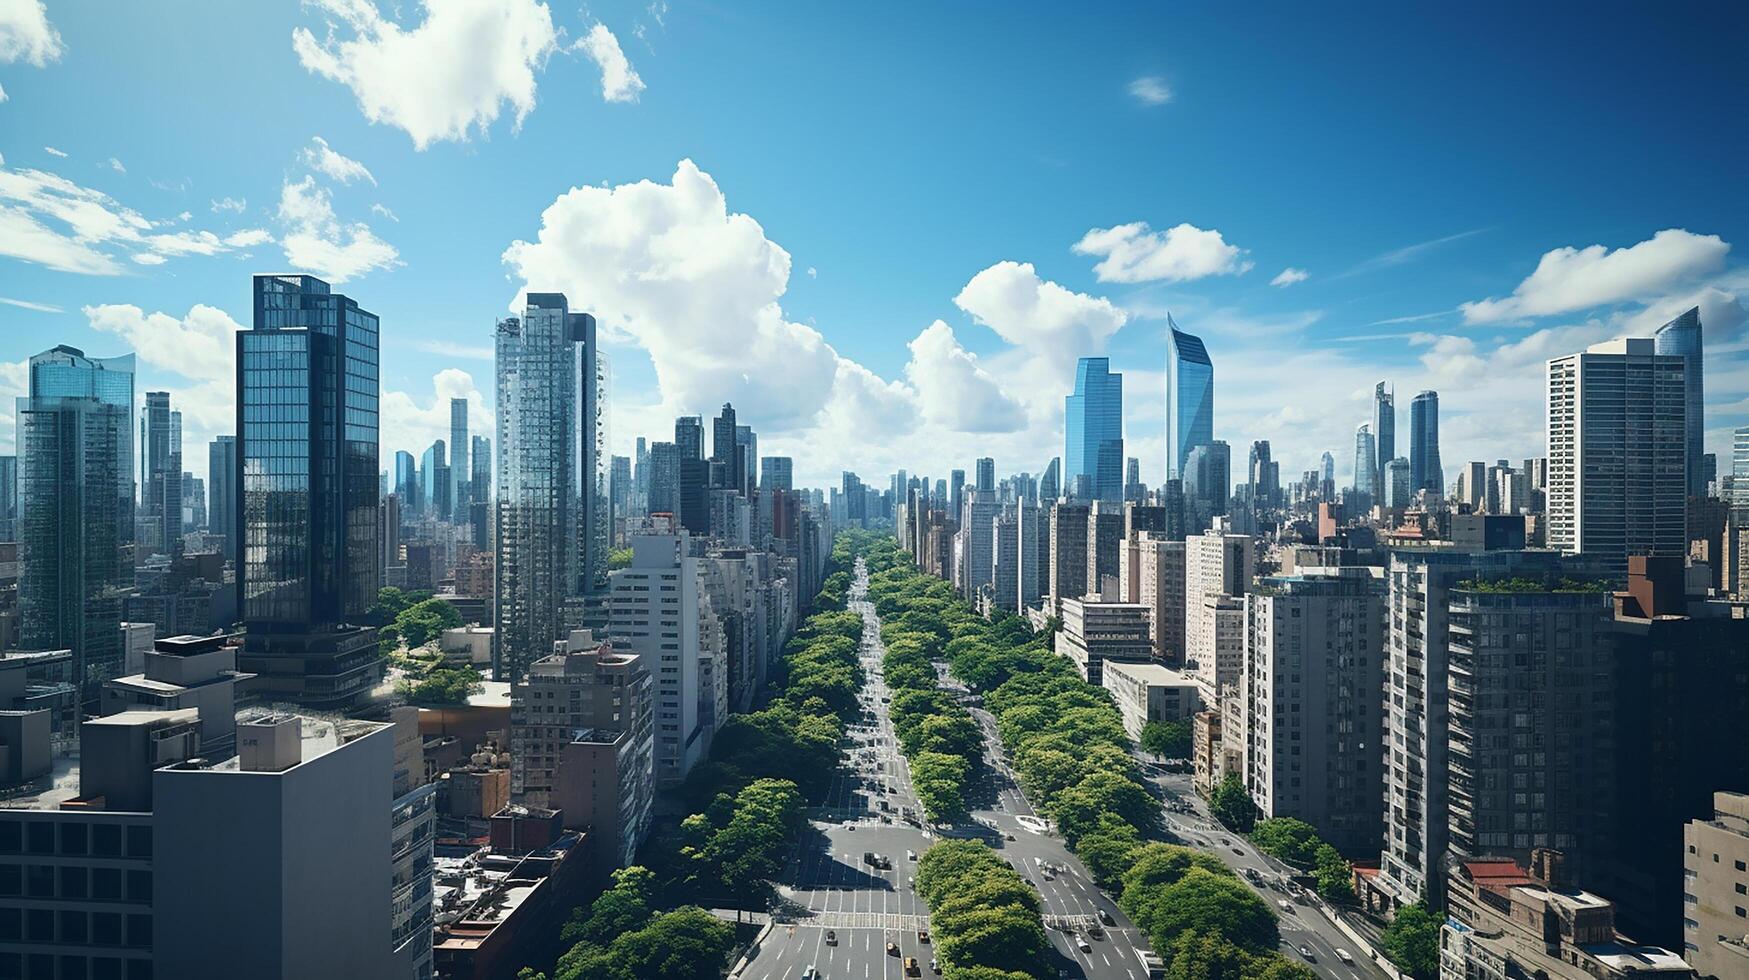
point(1190, 398)
point(1384, 432)
point(1682, 337)
point(1093, 431)
point(1425, 471)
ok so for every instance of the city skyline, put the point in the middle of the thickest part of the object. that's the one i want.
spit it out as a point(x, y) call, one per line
point(1467, 293)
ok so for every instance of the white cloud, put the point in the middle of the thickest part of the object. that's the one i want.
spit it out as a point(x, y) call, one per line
point(236, 204)
point(954, 390)
point(321, 157)
point(414, 424)
point(669, 267)
point(1151, 90)
point(26, 34)
point(314, 238)
point(1289, 276)
point(51, 151)
point(248, 238)
point(54, 222)
point(385, 212)
point(1034, 313)
point(116, 166)
point(444, 79)
point(25, 304)
point(619, 80)
point(3, 96)
point(1569, 279)
point(450, 349)
point(1133, 253)
point(200, 345)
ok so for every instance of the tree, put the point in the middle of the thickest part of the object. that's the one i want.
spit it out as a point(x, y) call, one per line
point(1078, 808)
point(1202, 901)
point(1294, 841)
point(1109, 849)
point(619, 558)
point(1155, 865)
point(1335, 875)
point(1167, 738)
point(622, 908)
point(1232, 805)
point(425, 621)
point(1412, 941)
point(685, 944)
point(1205, 956)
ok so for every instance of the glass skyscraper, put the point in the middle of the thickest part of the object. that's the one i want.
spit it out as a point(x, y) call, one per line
point(1093, 431)
point(1366, 473)
point(221, 486)
point(552, 500)
point(307, 427)
point(76, 491)
point(1190, 398)
point(460, 486)
point(161, 478)
point(1425, 472)
point(1384, 432)
point(1682, 337)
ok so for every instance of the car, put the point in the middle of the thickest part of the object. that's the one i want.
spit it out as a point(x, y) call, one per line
point(910, 855)
point(911, 968)
point(892, 949)
point(1345, 956)
point(813, 973)
point(1284, 904)
point(1048, 876)
point(923, 935)
point(1106, 918)
point(1082, 944)
point(1007, 835)
point(910, 882)
point(934, 965)
point(831, 937)
point(1306, 951)
point(848, 825)
point(1094, 932)
point(1238, 852)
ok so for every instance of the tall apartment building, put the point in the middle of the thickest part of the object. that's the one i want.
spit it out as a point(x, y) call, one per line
point(1716, 889)
point(1417, 697)
point(977, 529)
point(1217, 573)
point(1033, 561)
point(307, 389)
point(320, 865)
point(1162, 562)
point(1105, 536)
point(551, 494)
point(1531, 735)
point(1313, 670)
point(659, 610)
point(1005, 579)
point(1068, 552)
point(1617, 438)
point(76, 520)
point(582, 740)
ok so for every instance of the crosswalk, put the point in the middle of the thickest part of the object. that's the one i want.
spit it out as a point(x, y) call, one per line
point(866, 920)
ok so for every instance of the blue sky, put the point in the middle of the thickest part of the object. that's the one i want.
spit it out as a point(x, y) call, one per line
point(887, 232)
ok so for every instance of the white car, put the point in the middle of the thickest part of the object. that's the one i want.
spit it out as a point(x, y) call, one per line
point(910, 855)
point(1082, 945)
point(1345, 956)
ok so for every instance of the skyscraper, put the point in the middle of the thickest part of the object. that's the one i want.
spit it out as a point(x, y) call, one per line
point(550, 497)
point(75, 439)
point(776, 473)
point(663, 496)
point(728, 451)
point(1050, 485)
point(747, 441)
point(956, 492)
point(307, 443)
point(221, 486)
point(1093, 430)
point(689, 436)
point(407, 481)
point(1365, 459)
point(986, 473)
point(1617, 437)
point(161, 478)
point(1384, 432)
point(480, 470)
point(460, 485)
point(1425, 473)
point(1190, 398)
point(435, 481)
point(1208, 482)
point(8, 498)
point(1681, 337)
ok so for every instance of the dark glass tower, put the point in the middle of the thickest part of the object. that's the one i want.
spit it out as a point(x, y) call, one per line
point(307, 390)
point(221, 486)
point(1190, 398)
point(1425, 472)
point(76, 526)
point(1093, 431)
point(1682, 337)
point(1384, 432)
point(161, 479)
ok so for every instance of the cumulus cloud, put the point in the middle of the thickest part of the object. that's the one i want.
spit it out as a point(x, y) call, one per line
point(1035, 313)
point(235, 204)
point(448, 77)
point(55, 222)
point(1133, 253)
point(26, 34)
point(414, 422)
point(669, 267)
point(954, 390)
point(1150, 90)
point(1569, 279)
point(619, 80)
point(316, 240)
point(324, 159)
point(1289, 276)
point(51, 151)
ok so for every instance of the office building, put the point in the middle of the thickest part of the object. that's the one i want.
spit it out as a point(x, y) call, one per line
point(1149, 692)
point(436, 483)
point(160, 529)
point(1366, 472)
point(76, 525)
point(1472, 487)
point(1190, 399)
point(1681, 337)
point(977, 537)
point(1068, 552)
point(777, 473)
point(1093, 426)
point(1005, 578)
point(689, 436)
point(1208, 484)
point(1162, 591)
point(1399, 490)
point(1384, 431)
point(1050, 483)
point(552, 491)
point(1105, 538)
point(460, 472)
point(221, 487)
point(9, 498)
point(1095, 633)
point(1217, 574)
point(986, 474)
point(309, 548)
point(1617, 431)
point(1425, 472)
point(406, 481)
point(1033, 543)
point(1310, 706)
point(1716, 886)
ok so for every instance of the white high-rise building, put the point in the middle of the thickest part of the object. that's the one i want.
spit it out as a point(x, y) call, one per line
point(1162, 591)
point(1217, 571)
point(1617, 437)
point(659, 610)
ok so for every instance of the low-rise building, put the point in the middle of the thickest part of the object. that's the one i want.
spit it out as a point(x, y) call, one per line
point(1096, 632)
point(185, 672)
point(1148, 692)
point(1716, 890)
point(501, 908)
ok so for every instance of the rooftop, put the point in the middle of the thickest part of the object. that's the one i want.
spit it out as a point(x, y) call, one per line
point(1153, 674)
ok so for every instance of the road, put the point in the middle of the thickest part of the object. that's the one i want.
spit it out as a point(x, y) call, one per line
point(1303, 923)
